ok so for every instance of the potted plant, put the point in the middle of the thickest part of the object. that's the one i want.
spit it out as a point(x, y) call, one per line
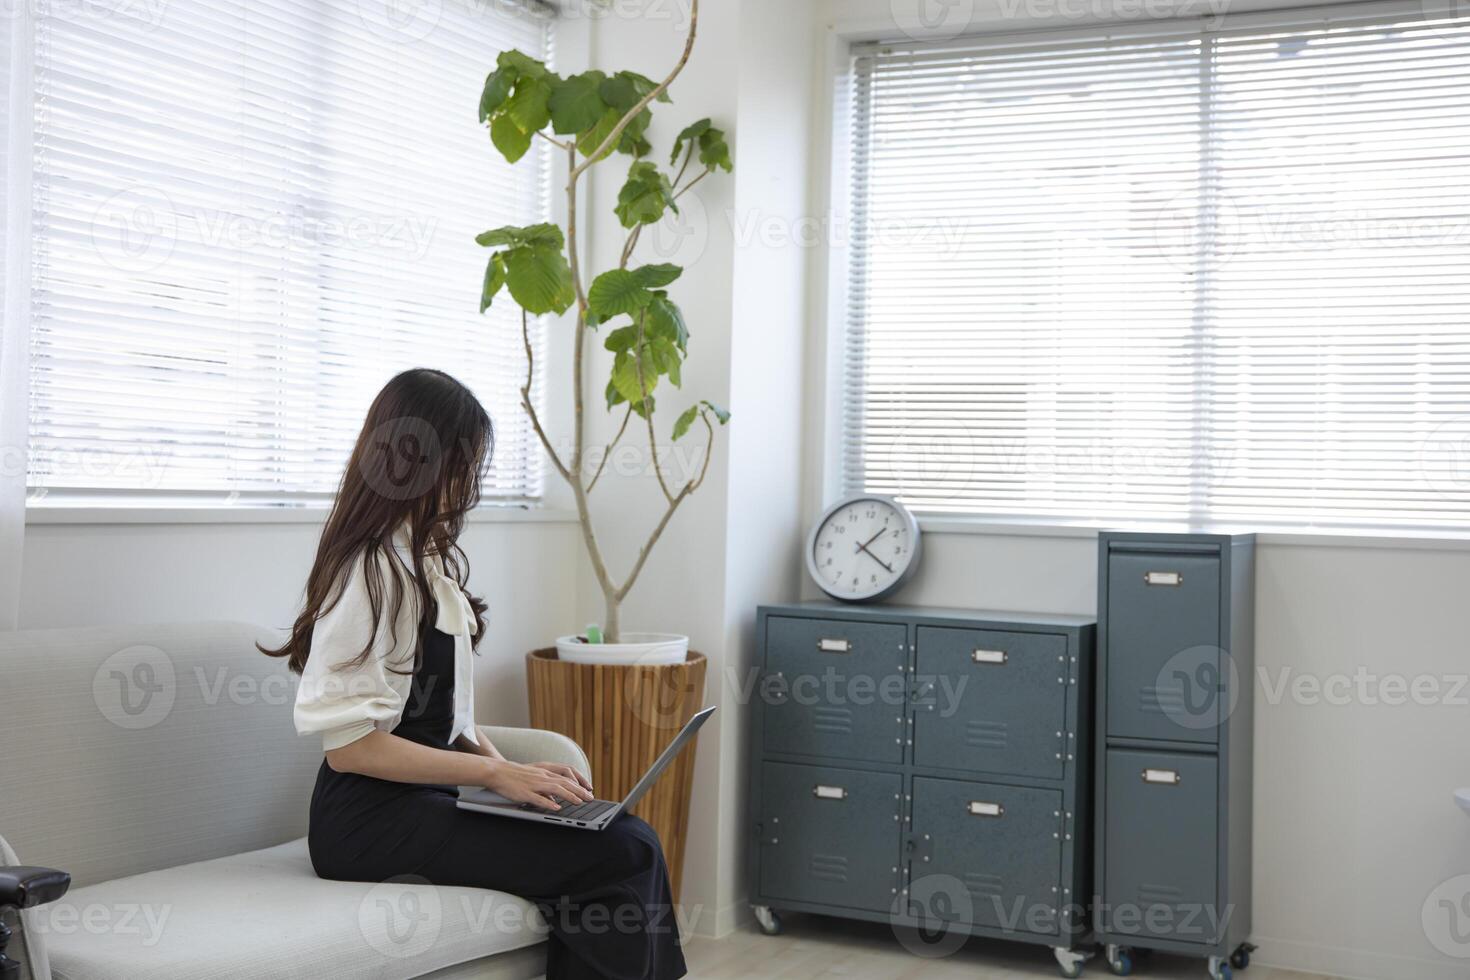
point(593, 119)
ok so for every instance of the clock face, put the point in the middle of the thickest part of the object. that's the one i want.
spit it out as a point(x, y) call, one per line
point(863, 548)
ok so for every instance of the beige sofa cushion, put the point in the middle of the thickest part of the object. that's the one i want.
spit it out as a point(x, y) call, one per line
point(266, 914)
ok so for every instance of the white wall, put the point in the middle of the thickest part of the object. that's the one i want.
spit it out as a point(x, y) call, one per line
point(732, 545)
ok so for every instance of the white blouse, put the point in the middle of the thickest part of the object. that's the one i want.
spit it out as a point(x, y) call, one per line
point(345, 703)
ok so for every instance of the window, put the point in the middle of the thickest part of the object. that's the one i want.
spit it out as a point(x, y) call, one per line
point(247, 216)
point(1207, 272)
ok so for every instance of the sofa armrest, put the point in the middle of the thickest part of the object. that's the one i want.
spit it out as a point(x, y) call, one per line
point(24, 887)
point(20, 888)
point(535, 745)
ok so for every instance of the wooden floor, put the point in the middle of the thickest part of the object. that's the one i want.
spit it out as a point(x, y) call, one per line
point(814, 946)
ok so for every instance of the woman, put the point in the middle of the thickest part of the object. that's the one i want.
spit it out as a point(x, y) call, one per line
point(384, 648)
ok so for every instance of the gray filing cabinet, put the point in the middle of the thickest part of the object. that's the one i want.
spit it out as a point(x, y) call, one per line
point(928, 768)
point(1176, 627)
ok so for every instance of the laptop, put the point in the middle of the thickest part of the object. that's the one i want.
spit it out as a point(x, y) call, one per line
point(592, 814)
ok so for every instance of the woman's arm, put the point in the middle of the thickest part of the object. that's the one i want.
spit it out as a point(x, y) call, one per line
point(383, 755)
point(484, 748)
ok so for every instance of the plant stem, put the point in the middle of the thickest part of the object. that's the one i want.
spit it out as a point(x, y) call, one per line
point(617, 132)
point(530, 406)
point(613, 593)
point(648, 410)
point(608, 451)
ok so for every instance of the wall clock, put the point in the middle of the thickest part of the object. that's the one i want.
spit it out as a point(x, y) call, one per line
point(863, 548)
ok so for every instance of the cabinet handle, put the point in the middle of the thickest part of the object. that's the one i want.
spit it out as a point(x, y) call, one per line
point(989, 656)
point(1164, 777)
point(834, 646)
point(829, 792)
point(981, 809)
point(1163, 578)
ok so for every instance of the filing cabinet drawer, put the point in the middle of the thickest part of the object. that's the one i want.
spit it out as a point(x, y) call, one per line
point(1165, 675)
point(986, 854)
point(835, 688)
point(1161, 846)
point(830, 835)
point(991, 701)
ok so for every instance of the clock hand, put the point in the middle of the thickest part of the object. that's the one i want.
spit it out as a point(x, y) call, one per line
point(864, 549)
point(881, 531)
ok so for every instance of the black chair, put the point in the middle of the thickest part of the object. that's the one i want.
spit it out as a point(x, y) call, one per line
point(23, 888)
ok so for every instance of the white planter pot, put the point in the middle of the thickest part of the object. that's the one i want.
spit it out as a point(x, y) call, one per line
point(643, 649)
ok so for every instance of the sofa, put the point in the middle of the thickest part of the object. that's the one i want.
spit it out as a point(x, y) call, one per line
point(158, 766)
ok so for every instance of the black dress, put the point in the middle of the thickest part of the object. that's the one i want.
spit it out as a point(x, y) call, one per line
point(604, 894)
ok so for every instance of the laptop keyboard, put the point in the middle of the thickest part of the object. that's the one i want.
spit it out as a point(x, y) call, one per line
point(577, 811)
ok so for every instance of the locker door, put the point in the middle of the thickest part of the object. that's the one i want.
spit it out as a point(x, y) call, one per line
point(830, 836)
point(993, 701)
point(1161, 846)
point(1164, 669)
point(834, 688)
point(994, 855)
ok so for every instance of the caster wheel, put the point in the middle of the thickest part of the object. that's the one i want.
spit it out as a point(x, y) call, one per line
point(1241, 958)
point(1220, 970)
point(1122, 964)
point(1069, 962)
point(769, 920)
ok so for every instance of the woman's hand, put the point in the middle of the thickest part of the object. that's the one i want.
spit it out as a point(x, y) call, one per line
point(542, 785)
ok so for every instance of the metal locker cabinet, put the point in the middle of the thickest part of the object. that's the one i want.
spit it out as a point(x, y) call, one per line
point(1175, 710)
point(812, 669)
point(995, 850)
point(991, 701)
point(1160, 820)
point(827, 835)
point(828, 852)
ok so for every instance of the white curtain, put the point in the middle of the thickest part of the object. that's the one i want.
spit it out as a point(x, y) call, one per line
point(15, 148)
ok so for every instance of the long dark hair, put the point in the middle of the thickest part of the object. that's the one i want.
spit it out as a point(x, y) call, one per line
point(417, 464)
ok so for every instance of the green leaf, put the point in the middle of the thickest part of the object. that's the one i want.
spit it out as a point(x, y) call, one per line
point(575, 103)
point(714, 152)
point(497, 89)
point(540, 235)
point(722, 414)
point(690, 133)
point(634, 146)
point(685, 420)
point(644, 196)
point(539, 279)
point(626, 89)
point(617, 291)
point(653, 276)
point(528, 105)
point(645, 407)
point(625, 375)
point(613, 396)
point(523, 65)
point(621, 339)
point(589, 141)
point(509, 138)
point(665, 319)
point(494, 279)
point(666, 358)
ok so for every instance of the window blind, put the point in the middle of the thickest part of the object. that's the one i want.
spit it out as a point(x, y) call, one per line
point(1207, 272)
point(248, 215)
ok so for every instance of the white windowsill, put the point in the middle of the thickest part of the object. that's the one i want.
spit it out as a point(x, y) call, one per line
point(1305, 537)
point(305, 514)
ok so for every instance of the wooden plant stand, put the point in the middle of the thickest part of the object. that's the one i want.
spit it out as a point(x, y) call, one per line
point(623, 717)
